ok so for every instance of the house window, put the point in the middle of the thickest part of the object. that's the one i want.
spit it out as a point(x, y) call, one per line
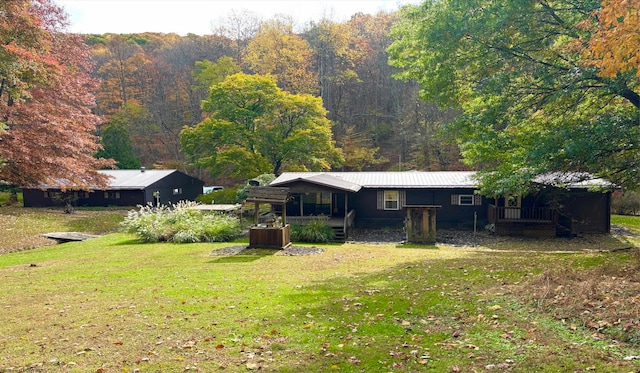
point(112, 195)
point(316, 203)
point(466, 199)
point(391, 199)
point(177, 191)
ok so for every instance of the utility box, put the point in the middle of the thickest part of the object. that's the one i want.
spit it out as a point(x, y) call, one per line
point(421, 224)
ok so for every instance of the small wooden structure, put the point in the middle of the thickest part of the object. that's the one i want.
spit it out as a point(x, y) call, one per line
point(270, 235)
point(63, 237)
point(421, 224)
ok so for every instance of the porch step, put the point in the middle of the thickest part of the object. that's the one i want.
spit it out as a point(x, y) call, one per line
point(562, 231)
point(338, 232)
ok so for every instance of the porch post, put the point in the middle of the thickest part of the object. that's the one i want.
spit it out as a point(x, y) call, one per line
point(346, 215)
point(301, 204)
point(257, 206)
point(284, 214)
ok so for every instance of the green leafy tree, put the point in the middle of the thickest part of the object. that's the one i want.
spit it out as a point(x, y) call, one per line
point(208, 73)
point(530, 104)
point(254, 128)
point(116, 145)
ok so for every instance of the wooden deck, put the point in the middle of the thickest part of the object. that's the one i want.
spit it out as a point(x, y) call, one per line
point(63, 237)
point(528, 222)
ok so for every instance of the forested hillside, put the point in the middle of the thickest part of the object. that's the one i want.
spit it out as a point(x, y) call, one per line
point(152, 86)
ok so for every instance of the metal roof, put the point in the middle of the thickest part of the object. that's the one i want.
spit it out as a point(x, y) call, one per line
point(353, 181)
point(327, 179)
point(134, 179)
point(572, 180)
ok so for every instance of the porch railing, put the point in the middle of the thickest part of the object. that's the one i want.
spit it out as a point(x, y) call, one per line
point(351, 216)
point(498, 214)
point(302, 220)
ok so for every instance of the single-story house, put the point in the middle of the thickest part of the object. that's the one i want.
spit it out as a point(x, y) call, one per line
point(383, 199)
point(126, 188)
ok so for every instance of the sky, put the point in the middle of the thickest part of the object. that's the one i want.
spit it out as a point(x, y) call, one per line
point(200, 16)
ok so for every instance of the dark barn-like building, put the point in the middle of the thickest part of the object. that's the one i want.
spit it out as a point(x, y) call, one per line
point(126, 188)
point(382, 199)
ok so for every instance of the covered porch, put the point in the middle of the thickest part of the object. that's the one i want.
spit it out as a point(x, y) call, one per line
point(523, 221)
point(341, 226)
point(321, 197)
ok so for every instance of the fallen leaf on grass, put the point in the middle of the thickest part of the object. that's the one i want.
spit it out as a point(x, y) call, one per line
point(252, 366)
point(354, 360)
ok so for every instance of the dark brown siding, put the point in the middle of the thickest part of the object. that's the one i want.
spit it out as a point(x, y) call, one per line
point(189, 188)
point(185, 186)
point(589, 211)
point(448, 216)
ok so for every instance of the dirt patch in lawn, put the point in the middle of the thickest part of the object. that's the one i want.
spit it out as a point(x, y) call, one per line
point(605, 298)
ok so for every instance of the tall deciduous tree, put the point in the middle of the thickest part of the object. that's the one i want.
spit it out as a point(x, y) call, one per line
point(240, 27)
point(208, 73)
point(335, 56)
point(123, 61)
point(530, 105)
point(116, 145)
point(254, 128)
point(278, 51)
point(615, 44)
point(45, 99)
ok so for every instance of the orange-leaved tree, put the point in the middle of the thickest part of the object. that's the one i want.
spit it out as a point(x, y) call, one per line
point(614, 46)
point(45, 100)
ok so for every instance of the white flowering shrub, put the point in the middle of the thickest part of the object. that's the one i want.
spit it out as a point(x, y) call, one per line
point(180, 223)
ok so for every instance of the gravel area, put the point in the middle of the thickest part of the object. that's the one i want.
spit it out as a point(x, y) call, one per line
point(246, 250)
point(443, 236)
point(385, 236)
point(381, 236)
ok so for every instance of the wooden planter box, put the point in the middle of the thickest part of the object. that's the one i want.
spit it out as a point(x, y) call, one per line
point(271, 238)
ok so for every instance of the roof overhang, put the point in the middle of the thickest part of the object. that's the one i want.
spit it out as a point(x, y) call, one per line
point(325, 180)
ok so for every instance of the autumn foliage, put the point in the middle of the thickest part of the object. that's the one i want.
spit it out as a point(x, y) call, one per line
point(614, 46)
point(45, 99)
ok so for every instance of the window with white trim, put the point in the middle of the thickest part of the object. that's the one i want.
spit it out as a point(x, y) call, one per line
point(177, 191)
point(466, 199)
point(391, 199)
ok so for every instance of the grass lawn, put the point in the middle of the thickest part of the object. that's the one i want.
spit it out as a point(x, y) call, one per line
point(22, 228)
point(114, 305)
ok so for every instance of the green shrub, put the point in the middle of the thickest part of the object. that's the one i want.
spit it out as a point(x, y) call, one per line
point(180, 223)
point(224, 196)
point(314, 231)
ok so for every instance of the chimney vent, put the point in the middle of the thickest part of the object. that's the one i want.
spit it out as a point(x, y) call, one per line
point(142, 169)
